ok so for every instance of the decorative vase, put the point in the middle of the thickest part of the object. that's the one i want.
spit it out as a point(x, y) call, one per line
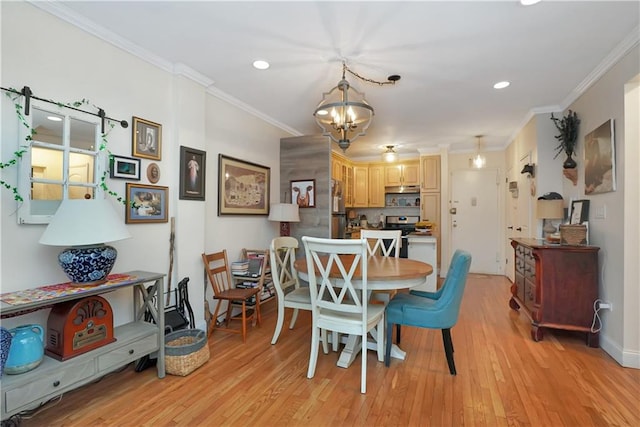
point(569, 163)
point(5, 345)
point(27, 349)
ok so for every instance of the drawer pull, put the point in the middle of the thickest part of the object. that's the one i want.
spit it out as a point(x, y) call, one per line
point(131, 351)
point(56, 383)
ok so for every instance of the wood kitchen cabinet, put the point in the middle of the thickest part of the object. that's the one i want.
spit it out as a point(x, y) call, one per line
point(376, 186)
point(555, 286)
point(360, 187)
point(406, 173)
point(430, 172)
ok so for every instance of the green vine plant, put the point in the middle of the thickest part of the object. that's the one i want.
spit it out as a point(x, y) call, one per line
point(15, 96)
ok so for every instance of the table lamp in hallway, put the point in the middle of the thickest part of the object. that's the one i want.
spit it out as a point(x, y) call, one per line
point(285, 213)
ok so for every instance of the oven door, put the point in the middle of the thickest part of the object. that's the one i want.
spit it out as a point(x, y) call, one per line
point(404, 244)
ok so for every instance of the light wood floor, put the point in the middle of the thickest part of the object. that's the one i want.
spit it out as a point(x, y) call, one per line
point(504, 378)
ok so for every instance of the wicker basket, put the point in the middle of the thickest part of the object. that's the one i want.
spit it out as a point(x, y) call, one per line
point(185, 351)
point(573, 235)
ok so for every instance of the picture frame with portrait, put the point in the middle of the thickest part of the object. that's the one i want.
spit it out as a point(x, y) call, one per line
point(121, 167)
point(146, 139)
point(192, 173)
point(243, 187)
point(303, 193)
point(146, 204)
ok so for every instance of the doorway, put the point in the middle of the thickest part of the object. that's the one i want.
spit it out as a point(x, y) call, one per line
point(475, 217)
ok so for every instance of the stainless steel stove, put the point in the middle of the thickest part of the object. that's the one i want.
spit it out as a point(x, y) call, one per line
point(406, 224)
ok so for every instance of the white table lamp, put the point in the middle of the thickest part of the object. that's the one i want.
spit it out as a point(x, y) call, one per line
point(85, 226)
point(548, 210)
point(285, 213)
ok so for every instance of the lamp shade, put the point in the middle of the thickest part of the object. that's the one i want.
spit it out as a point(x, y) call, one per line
point(550, 209)
point(85, 225)
point(284, 212)
point(79, 222)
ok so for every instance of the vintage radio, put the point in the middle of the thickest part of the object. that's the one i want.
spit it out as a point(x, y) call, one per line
point(78, 326)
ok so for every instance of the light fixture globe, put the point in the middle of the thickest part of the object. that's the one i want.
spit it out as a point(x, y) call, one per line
point(390, 155)
point(343, 114)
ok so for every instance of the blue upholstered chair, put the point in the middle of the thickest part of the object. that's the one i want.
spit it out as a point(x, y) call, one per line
point(431, 311)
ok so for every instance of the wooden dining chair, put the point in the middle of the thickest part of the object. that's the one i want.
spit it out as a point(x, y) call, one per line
point(337, 303)
point(412, 309)
point(384, 243)
point(217, 270)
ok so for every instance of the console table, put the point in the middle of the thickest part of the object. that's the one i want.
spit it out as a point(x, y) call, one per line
point(556, 286)
point(133, 340)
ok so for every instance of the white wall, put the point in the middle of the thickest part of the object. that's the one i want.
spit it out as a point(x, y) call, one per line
point(60, 62)
point(604, 101)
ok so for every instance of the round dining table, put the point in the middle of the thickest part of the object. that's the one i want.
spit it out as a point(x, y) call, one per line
point(383, 274)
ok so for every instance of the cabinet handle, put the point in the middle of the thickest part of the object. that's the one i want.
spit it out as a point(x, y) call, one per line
point(510, 227)
point(131, 351)
point(519, 229)
point(56, 383)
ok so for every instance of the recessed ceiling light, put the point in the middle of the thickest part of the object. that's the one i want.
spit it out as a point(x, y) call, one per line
point(501, 85)
point(529, 2)
point(260, 64)
point(54, 118)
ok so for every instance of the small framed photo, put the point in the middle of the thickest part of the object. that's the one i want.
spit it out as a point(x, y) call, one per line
point(579, 211)
point(153, 173)
point(192, 173)
point(303, 193)
point(124, 168)
point(146, 203)
point(243, 187)
point(147, 139)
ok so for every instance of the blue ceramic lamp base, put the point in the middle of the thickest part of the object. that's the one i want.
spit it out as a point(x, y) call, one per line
point(88, 265)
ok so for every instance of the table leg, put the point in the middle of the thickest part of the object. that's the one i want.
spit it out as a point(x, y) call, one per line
point(353, 345)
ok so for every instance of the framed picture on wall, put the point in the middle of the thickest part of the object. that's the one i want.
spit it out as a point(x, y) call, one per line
point(124, 168)
point(192, 173)
point(243, 187)
point(146, 139)
point(303, 193)
point(146, 203)
point(600, 160)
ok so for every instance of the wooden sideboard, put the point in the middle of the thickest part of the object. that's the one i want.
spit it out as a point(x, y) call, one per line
point(556, 286)
point(133, 340)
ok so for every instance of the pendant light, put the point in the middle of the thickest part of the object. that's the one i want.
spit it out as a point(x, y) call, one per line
point(390, 155)
point(479, 160)
point(344, 114)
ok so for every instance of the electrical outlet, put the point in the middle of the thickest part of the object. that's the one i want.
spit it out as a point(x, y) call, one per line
point(604, 306)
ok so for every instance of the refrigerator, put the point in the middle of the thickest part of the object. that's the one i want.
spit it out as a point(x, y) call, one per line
point(338, 213)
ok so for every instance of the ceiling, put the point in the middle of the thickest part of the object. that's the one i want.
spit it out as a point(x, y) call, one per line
point(448, 53)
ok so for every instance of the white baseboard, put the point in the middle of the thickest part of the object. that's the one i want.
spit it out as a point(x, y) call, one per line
point(626, 358)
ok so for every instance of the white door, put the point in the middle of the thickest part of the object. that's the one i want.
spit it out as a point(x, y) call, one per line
point(475, 223)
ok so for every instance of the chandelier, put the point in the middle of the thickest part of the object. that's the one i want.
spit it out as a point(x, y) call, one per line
point(344, 114)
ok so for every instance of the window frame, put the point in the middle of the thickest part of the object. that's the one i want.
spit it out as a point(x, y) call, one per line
point(25, 212)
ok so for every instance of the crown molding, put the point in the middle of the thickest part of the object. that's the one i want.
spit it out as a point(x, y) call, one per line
point(213, 91)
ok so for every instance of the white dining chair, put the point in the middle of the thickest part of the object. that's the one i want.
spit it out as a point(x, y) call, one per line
point(384, 243)
point(285, 280)
point(289, 292)
point(340, 303)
